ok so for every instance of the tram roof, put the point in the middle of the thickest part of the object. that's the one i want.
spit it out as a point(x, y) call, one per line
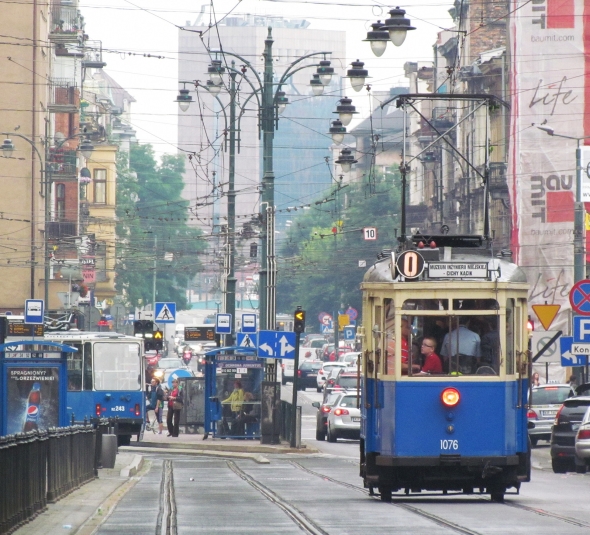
point(88, 335)
point(500, 268)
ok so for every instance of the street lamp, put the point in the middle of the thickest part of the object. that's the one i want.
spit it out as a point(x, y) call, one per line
point(357, 75)
point(397, 26)
point(378, 38)
point(7, 148)
point(345, 111)
point(184, 99)
point(346, 160)
point(337, 132)
point(271, 101)
point(316, 85)
point(579, 228)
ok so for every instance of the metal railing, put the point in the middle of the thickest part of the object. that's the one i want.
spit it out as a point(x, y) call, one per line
point(63, 95)
point(62, 162)
point(40, 467)
point(93, 55)
point(65, 19)
point(57, 230)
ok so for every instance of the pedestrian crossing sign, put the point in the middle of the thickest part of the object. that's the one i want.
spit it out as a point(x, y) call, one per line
point(247, 340)
point(165, 313)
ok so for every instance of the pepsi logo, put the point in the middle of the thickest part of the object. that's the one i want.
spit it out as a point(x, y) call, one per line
point(32, 410)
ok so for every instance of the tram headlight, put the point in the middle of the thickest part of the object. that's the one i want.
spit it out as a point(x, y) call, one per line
point(450, 397)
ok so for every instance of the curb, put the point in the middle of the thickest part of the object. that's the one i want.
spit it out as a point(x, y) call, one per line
point(132, 469)
point(193, 451)
point(231, 447)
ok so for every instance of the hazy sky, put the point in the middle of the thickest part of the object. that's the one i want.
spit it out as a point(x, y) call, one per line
point(151, 27)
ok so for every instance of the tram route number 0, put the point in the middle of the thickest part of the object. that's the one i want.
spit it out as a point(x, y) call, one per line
point(370, 233)
point(449, 444)
point(410, 264)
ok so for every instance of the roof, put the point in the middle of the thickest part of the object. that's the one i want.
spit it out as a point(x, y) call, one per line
point(386, 120)
point(117, 93)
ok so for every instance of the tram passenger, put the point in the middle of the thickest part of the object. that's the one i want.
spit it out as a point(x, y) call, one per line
point(490, 347)
point(405, 328)
point(432, 362)
point(463, 343)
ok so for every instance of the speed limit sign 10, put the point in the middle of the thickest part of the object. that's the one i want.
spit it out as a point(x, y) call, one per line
point(370, 233)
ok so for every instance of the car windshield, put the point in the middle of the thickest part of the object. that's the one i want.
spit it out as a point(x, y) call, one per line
point(551, 395)
point(170, 363)
point(331, 399)
point(319, 342)
point(347, 382)
point(349, 401)
point(310, 366)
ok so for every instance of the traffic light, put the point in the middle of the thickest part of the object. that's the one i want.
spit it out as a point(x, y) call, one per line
point(299, 323)
point(158, 340)
point(253, 250)
point(143, 327)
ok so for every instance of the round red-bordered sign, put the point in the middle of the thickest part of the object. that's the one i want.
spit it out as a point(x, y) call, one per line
point(580, 297)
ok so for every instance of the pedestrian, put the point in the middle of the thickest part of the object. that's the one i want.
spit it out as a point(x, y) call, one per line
point(175, 402)
point(155, 397)
point(535, 380)
point(573, 381)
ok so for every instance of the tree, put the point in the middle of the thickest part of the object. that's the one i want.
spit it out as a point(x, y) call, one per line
point(152, 230)
point(319, 263)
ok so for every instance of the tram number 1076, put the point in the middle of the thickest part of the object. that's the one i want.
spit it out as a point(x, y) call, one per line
point(449, 444)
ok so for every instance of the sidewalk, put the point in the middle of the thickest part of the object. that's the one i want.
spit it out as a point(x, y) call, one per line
point(83, 510)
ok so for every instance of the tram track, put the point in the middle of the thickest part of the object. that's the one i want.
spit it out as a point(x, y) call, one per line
point(437, 519)
point(166, 523)
point(300, 519)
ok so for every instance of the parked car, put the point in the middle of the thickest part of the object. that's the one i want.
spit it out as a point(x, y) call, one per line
point(308, 373)
point(563, 436)
point(322, 414)
point(287, 370)
point(324, 371)
point(332, 357)
point(544, 403)
point(583, 439)
point(344, 418)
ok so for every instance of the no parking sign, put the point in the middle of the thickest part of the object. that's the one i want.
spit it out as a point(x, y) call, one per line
point(580, 297)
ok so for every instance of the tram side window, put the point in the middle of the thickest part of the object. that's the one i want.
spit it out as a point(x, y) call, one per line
point(87, 366)
point(75, 369)
point(510, 336)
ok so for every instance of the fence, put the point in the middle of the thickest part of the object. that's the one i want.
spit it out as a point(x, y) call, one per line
point(40, 467)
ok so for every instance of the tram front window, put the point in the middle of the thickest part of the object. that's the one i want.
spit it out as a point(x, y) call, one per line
point(116, 366)
point(454, 343)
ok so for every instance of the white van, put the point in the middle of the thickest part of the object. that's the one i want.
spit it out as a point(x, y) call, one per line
point(287, 370)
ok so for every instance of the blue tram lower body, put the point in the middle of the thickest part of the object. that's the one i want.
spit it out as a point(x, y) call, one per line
point(410, 440)
point(127, 407)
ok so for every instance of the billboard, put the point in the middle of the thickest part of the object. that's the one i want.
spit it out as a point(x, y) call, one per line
point(32, 398)
point(549, 84)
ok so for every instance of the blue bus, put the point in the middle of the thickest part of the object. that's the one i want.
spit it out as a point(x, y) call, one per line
point(106, 379)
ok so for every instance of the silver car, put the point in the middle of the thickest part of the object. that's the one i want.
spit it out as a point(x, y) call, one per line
point(583, 439)
point(344, 419)
point(544, 403)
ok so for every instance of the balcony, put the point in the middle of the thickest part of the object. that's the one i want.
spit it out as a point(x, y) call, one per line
point(66, 23)
point(57, 230)
point(93, 55)
point(62, 164)
point(497, 181)
point(443, 118)
point(63, 96)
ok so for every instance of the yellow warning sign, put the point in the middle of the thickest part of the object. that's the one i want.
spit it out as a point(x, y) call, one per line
point(546, 314)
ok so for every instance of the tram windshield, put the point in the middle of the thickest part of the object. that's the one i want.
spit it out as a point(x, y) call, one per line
point(446, 337)
point(117, 366)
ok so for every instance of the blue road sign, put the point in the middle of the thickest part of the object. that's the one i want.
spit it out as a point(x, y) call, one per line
point(247, 340)
point(567, 357)
point(223, 324)
point(349, 333)
point(326, 329)
point(165, 313)
point(178, 373)
point(248, 323)
point(276, 344)
point(582, 329)
point(580, 297)
point(34, 311)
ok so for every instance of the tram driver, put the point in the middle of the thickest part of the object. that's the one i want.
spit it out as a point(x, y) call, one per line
point(461, 347)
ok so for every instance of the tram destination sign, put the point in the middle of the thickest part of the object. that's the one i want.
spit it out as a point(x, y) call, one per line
point(199, 334)
point(24, 329)
point(458, 270)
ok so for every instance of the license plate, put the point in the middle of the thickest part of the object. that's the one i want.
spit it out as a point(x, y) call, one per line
point(548, 413)
point(355, 419)
point(312, 375)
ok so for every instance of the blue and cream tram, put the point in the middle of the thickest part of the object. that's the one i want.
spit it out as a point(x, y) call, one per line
point(105, 379)
point(460, 425)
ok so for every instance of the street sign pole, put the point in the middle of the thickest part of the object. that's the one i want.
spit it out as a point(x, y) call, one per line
point(293, 443)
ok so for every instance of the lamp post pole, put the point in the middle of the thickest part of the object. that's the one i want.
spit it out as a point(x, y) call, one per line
point(579, 226)
point(230, 291)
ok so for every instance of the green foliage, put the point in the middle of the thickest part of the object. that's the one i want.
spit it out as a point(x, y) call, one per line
point(152, 229)
point(319, 268)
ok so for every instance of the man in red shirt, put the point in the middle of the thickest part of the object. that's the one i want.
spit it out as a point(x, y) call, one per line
point(432, 362)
